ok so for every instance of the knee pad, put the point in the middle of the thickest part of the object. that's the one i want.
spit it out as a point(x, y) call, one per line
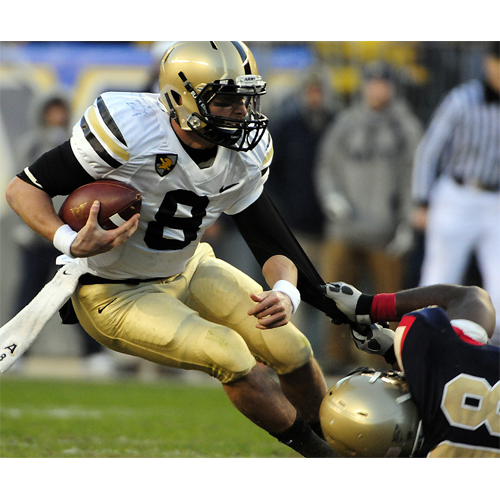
point(287, 349)
point(227, 354)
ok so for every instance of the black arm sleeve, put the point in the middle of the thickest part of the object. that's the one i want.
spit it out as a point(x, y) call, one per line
point(267, 234)
point(57, 172)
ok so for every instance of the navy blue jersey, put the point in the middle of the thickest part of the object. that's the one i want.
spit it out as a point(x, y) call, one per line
point(454, 382)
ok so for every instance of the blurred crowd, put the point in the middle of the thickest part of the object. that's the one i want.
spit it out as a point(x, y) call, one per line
point(347, 119)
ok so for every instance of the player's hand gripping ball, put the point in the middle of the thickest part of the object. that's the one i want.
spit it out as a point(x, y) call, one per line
point(119, 202)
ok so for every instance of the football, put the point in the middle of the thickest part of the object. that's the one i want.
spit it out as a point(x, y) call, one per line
point(119, 202)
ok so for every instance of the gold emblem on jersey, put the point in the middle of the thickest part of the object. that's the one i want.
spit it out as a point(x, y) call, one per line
point(164, 164)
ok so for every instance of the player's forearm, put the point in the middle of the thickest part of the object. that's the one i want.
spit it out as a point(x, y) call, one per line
point(444, 296)
point(393, 306)
point(281, 275)
point(274, 308)
point(34, 206)
point(279, 267)
point(459, 302)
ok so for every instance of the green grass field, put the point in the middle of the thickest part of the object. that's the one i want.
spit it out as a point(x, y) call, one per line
point(125, 418)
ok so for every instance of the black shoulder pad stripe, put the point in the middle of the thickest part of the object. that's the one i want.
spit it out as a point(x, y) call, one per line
point(108, 120)
point(97, 146)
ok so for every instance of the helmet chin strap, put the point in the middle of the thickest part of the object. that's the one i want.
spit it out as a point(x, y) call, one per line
point(214, 135)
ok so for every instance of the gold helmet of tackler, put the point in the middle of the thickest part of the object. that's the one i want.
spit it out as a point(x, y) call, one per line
point(193, 73)
point(370, 413)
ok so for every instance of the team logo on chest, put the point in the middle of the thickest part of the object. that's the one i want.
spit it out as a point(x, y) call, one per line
point(164, 164)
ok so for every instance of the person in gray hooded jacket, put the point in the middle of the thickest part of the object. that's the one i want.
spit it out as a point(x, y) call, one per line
point(50, 116)
point(363, 179)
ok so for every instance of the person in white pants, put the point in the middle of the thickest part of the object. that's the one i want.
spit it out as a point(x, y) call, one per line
point(456, 181)
point(477, 215)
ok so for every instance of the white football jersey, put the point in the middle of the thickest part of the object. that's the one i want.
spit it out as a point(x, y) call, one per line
point(128, 137)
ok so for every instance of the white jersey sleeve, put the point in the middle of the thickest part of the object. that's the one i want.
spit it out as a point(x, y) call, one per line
point(117, 131)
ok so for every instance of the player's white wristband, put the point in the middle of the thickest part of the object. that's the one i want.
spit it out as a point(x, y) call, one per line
point(63, 239)
point(287, 288)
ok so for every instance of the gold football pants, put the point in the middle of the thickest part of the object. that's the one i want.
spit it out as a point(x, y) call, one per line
point(196, 320)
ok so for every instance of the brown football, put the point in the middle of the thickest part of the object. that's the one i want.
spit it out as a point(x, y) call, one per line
point(119, 202)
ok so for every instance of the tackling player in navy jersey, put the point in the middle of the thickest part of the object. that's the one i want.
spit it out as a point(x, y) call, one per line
point(151, 288)
point(441, 345)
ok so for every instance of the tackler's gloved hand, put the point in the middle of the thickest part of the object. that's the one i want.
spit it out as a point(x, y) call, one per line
point(354, 304)
point(370, 334)
point(375, 339)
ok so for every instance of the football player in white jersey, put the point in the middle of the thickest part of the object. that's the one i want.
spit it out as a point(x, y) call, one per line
point(151, 289)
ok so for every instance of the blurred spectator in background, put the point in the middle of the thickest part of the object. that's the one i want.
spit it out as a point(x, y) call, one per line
point(7, 162)
point(363, 178)
point(296, 135)
point(456, 184)
point(51, 116)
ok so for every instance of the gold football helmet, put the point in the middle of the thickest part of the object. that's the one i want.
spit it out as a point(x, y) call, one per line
point(193, 73)
point(370, 414)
